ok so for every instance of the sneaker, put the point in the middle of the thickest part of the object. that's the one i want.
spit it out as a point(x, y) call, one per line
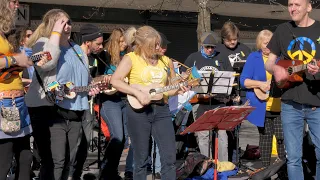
point(128, 175)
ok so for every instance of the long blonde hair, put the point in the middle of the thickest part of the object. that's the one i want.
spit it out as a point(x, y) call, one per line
point(113, 45)
point(46, 26)
point(145, 38)
point(6, 17)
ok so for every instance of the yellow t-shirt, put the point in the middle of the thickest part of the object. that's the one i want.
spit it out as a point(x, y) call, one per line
point(14, 82)
point(273, 104)
point(144, 74)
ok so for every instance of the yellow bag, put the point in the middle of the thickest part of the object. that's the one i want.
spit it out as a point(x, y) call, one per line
point(274, 146)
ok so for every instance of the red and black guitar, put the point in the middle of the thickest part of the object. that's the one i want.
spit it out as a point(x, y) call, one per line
point(295, 69)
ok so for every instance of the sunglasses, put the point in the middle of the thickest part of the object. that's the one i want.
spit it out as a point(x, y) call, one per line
point(69, 22)
point(210, 47)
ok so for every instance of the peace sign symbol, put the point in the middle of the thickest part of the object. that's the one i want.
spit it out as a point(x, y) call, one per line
point(301, 54)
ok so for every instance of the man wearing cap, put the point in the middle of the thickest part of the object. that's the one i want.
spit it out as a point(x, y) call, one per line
point(92, 39)
point(207, 59)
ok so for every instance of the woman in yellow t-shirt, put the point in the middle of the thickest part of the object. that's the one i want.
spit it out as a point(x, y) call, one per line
point(145, 66)
point(266, 116)
point(15, 129)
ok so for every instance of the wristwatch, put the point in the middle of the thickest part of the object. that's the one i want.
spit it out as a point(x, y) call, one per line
point(13, 61)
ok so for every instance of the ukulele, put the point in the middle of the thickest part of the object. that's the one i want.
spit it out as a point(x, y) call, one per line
point(14, 70)
point(156, 91)
point(295, 70)
point(69, 90)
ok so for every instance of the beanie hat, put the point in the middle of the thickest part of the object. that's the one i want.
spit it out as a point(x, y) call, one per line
point(90, 32)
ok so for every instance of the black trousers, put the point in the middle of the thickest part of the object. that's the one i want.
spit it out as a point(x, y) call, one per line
point(56, 137)
point(272, 126)
point(20, 148)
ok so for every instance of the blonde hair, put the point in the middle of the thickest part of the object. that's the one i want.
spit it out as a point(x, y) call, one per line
point(6, 17)
point(46, 26)
point(262, 36)
point(129, 35)
point(145, 38)
point(228, 30)
point(113, 45)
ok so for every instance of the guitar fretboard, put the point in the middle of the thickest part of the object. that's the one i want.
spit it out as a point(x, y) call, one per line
point(83, 88)
point(36, 57)
point(298, 68)
point(171, 87)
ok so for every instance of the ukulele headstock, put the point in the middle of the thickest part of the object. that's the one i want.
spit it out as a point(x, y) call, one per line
point(47, 53)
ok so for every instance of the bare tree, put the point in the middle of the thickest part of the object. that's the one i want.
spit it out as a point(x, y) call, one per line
point(204, 19)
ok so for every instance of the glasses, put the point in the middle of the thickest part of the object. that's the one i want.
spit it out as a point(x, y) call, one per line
point(210, 47)
point(28, 35)
point(69, 22)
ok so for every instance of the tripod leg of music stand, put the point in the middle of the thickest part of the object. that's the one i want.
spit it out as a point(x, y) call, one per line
point(216, 156)
point(210, 142)
point(237, 145)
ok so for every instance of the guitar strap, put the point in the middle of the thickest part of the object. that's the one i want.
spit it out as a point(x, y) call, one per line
point(296, 40)
point(49, 95)
point(81, 60)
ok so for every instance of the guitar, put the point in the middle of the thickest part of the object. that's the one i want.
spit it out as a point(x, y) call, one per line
point(15, 70)
point(156, 91)
point(261, 94)
point(295, 70)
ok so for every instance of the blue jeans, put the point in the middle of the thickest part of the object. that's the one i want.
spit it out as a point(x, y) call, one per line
point(114, 114)
point(154, 120)
point(293, 115)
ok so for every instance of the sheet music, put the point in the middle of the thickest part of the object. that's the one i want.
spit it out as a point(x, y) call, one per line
point(222, 82)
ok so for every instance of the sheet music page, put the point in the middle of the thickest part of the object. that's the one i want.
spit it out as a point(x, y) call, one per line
point(222, 82)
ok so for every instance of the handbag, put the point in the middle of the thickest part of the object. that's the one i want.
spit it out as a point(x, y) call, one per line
point(10, 118)
point(252, 152)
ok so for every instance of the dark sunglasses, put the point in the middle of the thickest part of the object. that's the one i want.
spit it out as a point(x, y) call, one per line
point(210, 47)
point(69, 22)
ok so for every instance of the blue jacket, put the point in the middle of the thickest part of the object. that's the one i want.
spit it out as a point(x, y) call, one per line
point(254, 69)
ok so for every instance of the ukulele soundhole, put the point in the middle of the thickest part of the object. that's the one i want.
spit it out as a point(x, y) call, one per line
point(290, 70)
point(152, 92)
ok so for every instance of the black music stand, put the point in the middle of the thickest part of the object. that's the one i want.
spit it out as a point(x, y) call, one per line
point(225, 118)
point(238, 67)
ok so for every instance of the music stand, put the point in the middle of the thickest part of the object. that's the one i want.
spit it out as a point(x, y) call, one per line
point(225, 118)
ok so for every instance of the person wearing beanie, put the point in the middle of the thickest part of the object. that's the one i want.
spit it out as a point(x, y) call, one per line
point(92, 39)
point(208, 59)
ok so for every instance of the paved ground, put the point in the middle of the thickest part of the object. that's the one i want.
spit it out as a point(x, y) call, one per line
point(248, 135)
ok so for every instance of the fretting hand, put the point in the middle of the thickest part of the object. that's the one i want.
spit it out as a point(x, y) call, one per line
point(43, 60)
point(313, 69)
point(94, 91)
